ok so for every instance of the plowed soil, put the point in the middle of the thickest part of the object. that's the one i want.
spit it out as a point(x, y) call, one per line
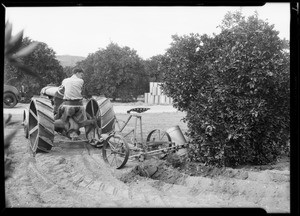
point(74, 174)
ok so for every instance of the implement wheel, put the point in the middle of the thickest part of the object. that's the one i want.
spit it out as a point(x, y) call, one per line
point(115, 151)
point(158, 139)
point(40, 126)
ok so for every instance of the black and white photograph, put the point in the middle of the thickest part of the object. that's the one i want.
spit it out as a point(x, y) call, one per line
point(147, 106)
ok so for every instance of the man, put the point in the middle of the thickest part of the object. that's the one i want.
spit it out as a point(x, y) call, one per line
point(58, 99)
point(71, 112)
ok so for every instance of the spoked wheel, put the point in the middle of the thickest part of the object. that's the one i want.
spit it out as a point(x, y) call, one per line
point(40, 126)
point(115, 151)
point(93, 132)
point(158, 139)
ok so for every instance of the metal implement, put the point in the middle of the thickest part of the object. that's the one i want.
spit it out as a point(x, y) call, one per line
point(129, 146)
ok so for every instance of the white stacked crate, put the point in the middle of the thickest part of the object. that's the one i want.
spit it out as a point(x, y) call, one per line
point(156, 96)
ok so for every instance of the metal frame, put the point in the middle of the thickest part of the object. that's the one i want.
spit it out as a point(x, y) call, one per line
point(142, 152)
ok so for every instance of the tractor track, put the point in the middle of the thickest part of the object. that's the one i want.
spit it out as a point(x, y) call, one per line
point(75, 175)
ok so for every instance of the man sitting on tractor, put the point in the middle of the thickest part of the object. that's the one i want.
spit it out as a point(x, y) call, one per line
point(71, 113)
point(58, 99)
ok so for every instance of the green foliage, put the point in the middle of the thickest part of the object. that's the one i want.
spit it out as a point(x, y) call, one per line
point(68, 71)
point(42, 60)
point(235, 89)
point(115, 72)
point(13, 51)
point(154, 69)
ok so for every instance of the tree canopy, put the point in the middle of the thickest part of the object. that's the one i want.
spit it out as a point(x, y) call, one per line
point(154, 69)
point(43, 62)
point(235, 89)
point(116, 72)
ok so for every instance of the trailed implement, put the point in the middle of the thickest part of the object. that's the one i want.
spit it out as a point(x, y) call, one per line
point(130, 145)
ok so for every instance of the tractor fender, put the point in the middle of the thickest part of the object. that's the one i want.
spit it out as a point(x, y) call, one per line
point(12, 89)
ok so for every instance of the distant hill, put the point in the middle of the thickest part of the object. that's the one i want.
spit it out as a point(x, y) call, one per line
point(68, 60)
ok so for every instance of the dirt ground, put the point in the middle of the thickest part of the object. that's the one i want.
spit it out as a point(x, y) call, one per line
point(74, 174)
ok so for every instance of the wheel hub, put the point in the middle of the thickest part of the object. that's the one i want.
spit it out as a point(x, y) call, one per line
point(8, 100)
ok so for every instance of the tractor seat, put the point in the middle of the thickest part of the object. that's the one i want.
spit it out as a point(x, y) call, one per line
point(138, 110)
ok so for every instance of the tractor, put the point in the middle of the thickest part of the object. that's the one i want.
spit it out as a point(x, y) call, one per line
point(40, 124)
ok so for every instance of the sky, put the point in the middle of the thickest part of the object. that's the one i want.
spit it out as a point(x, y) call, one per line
point(80, 31)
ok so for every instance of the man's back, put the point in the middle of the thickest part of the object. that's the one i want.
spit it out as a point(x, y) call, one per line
point(71, 113)
point(73, 87)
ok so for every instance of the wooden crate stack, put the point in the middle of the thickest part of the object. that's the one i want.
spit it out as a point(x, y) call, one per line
point(156, 96)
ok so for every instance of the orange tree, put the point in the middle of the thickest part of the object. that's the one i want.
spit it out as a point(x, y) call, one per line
point(42, 61)
point(235, 89)
point(153, 68)
point(116, 72)
point(13, 52)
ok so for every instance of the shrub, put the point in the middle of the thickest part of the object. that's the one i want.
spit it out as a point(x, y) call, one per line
point(234, 87)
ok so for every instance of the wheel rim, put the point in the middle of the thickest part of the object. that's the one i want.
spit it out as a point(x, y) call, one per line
point(159, 136)
point(33, 126)
point(8, 100)
point(40, 126)
point(115, 152)
point(107, 116)
point(158, 139)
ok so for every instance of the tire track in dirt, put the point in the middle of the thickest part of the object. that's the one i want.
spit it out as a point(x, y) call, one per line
point(80, 170)
point(51, 191)
point(75, 175)
point(70, 170)
point(182, 190)
point(19, 188)
point(150, 195)
point(247, 192)
point(111, 185)
point(68, 176)
point(93, 174)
